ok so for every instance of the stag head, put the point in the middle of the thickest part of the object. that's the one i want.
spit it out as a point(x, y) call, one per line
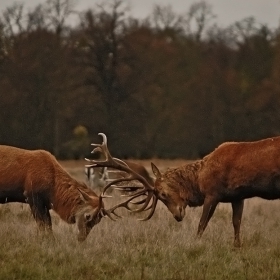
point(89, 214)
point(164, 190)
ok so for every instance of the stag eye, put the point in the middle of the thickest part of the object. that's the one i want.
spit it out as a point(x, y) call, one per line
point(163, 196)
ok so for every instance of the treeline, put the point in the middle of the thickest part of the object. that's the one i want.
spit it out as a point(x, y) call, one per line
point(170, 85)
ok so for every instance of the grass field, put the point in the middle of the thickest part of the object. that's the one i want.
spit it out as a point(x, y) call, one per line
point(160, 248)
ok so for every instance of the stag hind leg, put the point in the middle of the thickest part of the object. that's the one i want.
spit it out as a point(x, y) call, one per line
point(237, 210)
point(40, 212)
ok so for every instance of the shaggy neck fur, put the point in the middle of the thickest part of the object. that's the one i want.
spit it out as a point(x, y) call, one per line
point(66, 200)
point(185, 180)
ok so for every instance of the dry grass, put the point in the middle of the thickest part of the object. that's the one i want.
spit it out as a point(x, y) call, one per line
point(129, 249)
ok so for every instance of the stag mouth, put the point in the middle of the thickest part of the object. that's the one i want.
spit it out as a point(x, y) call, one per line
point(81, 238)
point(178, 218)
point(179, 213)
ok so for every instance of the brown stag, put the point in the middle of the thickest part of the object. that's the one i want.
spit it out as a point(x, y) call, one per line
point(35, 177)
point(233, 172)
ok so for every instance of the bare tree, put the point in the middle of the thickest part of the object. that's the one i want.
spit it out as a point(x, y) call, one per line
point(104, 30)
point(36, 19)
point(58, 11)
point(165, 18)
point(241, 31)
point(199, 16)
point(13, 19)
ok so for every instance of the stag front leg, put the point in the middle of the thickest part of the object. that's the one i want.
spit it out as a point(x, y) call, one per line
point(209, 206)
point(40, 213)
point(237, 210)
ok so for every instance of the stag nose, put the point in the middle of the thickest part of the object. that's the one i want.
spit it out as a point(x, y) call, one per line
point(82, 235)
point(81, 238)
point(180, 214)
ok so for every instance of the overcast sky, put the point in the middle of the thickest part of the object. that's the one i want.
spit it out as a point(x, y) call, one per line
point(227, 11)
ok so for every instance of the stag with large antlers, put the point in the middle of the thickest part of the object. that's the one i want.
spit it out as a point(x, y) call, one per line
point(35, 177)
point(231, 173)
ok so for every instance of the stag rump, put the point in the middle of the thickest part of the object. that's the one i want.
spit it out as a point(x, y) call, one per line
point(234, 171)
point(35, 177)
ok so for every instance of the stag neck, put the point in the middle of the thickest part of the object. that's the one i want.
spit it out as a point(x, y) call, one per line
point(190, 173)
point(184, 180)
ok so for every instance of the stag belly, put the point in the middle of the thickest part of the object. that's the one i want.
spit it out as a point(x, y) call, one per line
point(12, 196)
point(270, 192)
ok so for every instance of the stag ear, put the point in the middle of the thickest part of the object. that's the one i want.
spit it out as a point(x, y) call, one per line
point(156, 171)
point(84, 196)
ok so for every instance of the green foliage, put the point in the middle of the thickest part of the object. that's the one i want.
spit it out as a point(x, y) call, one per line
point(80, 132)
point(78, 147)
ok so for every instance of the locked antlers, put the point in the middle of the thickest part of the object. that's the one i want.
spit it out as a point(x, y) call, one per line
point(145, 189)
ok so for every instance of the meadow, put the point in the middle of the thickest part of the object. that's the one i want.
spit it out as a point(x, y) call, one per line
point(128, 249)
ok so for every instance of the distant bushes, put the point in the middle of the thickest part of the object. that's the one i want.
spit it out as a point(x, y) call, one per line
point(78, 147)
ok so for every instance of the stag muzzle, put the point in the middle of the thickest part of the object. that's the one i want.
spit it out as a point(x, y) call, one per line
point(85, 230)
point(179, 213)
point(82, 235)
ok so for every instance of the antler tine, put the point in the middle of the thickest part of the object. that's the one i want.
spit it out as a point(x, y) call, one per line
point(102, 148)
point(145, 203)
point(124, 204)
point(129, 188)
point(153, 207)
point(116, 164)
point(146, 189)
point(113, 182)
point(109, 160)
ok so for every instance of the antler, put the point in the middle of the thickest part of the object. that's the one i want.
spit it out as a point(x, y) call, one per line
point(115, 163)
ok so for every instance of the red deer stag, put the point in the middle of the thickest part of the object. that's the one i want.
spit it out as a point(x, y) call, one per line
point(231, 173)
point(35, 177)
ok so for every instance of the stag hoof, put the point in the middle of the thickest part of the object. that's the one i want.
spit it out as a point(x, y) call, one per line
point(237, 244)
